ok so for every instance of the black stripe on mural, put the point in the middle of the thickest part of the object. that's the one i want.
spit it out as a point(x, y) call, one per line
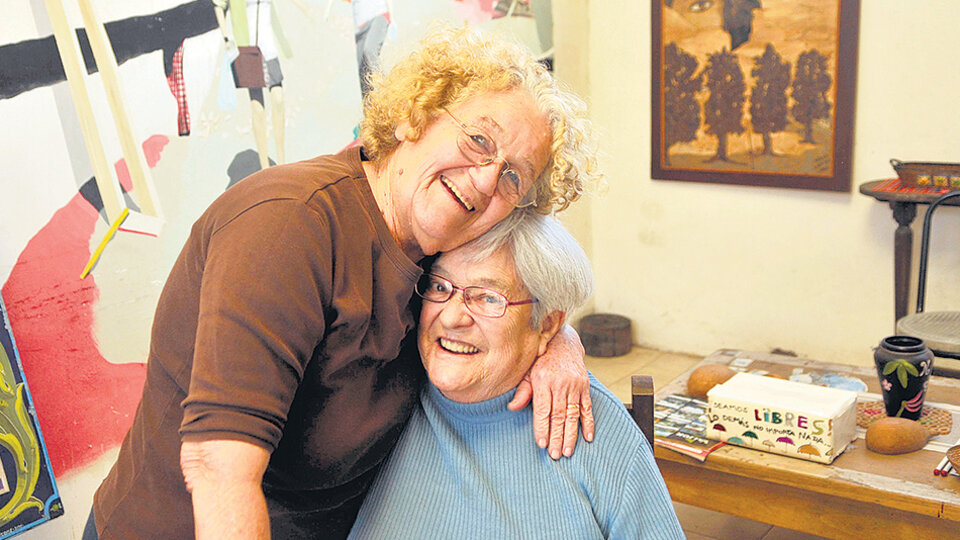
point(36, 63)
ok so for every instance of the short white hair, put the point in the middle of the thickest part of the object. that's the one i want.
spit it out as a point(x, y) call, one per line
point(549, 261)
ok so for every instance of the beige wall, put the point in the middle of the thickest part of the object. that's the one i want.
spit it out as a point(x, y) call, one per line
point(698, 267)
point(571, 26)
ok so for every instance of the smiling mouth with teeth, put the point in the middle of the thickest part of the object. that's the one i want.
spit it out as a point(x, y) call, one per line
point(456, 193)
point(455, 347)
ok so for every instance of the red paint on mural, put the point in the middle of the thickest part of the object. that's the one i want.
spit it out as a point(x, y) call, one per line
point(85, 404)
point(152, 148)
point(476, 11)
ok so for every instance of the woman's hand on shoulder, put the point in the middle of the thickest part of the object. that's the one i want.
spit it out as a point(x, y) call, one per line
point(560, 388)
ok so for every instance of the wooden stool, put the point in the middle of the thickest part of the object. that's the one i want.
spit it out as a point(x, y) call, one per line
point(605, 334)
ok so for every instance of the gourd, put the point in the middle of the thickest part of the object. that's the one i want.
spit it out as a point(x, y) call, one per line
point(892, 435)
point(706, 377)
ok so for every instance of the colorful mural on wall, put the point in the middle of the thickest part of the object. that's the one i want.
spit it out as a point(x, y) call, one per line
point(54, 312)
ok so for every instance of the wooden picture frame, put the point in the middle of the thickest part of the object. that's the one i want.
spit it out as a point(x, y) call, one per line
point(794, 131)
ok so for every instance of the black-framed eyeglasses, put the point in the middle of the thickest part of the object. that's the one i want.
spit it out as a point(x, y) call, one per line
point(479, 147)
point(479, 300)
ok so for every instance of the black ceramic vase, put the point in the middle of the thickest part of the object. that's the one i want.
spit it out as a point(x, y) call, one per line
point(904, 364)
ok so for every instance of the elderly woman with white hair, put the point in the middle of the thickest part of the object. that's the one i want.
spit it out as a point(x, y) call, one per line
point(466, 466)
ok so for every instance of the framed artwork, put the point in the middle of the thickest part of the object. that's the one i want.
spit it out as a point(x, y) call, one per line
point(28, 491)
point(754, 92)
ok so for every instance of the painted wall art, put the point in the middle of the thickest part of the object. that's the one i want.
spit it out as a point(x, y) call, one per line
point(754, 92)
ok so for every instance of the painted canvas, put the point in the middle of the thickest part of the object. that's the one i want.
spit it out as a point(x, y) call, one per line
point(754, 92)
point(28, 492)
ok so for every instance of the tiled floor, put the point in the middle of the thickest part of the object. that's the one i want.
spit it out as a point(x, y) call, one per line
point(698, 524)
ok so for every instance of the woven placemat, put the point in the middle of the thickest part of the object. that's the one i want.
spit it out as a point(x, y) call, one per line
point(937, 421)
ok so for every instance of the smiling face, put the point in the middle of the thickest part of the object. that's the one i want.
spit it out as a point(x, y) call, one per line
point(442, 200)
point(470, 358)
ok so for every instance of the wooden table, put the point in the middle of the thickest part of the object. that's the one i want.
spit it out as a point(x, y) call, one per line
point(903, 202)
point(860, 495)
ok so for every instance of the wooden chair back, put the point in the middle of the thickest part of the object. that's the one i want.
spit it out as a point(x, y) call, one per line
point(641, 405)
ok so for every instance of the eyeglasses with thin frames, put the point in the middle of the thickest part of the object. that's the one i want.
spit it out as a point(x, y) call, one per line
point(481, 149)
point(479, 300)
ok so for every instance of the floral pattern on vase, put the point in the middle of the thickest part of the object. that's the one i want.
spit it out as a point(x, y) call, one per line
point(904, 364)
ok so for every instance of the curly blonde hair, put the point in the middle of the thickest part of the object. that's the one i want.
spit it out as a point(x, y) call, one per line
point(455, 64)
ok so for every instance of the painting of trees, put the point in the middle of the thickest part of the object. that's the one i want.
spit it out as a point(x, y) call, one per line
point(754, 92)
point(681, 82)
point(723, 110)
point(811, 81)
point(768, 100)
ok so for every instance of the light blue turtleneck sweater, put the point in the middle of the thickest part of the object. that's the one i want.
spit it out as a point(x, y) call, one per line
point(472, 470)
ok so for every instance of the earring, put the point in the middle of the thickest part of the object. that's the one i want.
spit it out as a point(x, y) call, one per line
point(399, 172)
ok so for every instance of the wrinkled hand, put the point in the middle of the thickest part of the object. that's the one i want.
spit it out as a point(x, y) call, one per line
point(560, 388)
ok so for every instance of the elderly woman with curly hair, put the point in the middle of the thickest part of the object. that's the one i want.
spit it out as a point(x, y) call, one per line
point(276, 380)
